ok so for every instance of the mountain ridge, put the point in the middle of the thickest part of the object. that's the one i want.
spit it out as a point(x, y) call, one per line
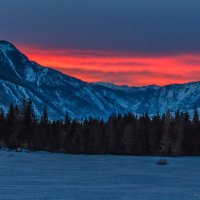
point(21, 78)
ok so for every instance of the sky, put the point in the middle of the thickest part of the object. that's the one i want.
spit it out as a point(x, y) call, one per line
point(126, 42)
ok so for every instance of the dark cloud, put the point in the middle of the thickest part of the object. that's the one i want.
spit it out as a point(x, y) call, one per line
point(142, 26)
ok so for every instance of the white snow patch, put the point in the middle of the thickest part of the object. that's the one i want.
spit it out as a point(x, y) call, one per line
point(30, 74)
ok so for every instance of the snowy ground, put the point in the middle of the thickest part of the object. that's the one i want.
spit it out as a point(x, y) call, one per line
point(57, 176)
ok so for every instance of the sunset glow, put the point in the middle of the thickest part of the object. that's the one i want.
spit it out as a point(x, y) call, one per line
point(119, 67)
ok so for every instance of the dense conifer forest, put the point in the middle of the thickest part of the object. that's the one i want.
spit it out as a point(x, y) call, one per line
point(166, 135)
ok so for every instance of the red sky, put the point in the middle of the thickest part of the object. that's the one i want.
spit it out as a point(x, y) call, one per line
point(72, 37)
point(119, 67)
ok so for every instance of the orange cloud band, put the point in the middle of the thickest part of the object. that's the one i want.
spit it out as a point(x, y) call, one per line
point(119, 67)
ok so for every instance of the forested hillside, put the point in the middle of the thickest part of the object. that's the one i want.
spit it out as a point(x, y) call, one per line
point(121, 134)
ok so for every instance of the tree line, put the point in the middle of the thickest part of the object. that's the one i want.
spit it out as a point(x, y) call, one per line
point(128, 134)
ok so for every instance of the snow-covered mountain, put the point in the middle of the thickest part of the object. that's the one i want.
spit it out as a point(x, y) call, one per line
point(21, 78)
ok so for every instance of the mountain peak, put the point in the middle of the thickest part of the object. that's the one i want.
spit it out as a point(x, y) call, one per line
point(12, 61)
point(6, 46)
point(4, 42)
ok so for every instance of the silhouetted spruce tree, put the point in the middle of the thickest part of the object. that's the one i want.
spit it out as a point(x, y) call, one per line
point(155, 135)
point(10, 126)
point(144, 124)
point(166, 140)
point(67, 145)
point(67, 123)
point(28, 125)
point(127, 139)
point(195, 133)
point(55, 137)
point(96, 141)
point(177, 134)
point(187, 134)
point(119, 132)
point(100, 139)
point(42, 135)
point(76, 143)
point(111, 138)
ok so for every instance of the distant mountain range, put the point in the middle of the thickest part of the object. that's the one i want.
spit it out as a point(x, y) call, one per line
point(21, 78)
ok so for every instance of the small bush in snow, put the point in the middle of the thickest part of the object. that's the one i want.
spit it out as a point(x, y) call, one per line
point(162, 162)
